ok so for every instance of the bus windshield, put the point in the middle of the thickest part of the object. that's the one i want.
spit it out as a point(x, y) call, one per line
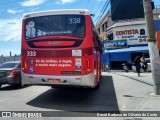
point(55, 25)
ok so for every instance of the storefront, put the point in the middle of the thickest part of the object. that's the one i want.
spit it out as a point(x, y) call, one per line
point(129, 40)
point(115, 58)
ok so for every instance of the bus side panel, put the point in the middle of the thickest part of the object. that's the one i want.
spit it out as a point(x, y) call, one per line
point(89, 42)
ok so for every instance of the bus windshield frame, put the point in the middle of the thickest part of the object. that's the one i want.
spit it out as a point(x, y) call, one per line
point(55, 25)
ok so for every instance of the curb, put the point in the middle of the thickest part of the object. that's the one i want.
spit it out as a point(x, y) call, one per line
point(139, 80)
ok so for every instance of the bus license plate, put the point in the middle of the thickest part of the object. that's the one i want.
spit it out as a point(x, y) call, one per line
point(54, 80)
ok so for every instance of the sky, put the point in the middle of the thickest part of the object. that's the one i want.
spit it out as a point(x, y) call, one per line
point(12, 11)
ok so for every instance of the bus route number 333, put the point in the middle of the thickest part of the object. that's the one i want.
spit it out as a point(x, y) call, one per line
point(31, 53)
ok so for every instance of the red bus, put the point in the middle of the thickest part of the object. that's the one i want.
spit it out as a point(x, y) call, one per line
point(60, 48)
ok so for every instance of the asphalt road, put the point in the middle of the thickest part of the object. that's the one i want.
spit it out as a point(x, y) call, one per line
point(116, 93)
point(44, 98)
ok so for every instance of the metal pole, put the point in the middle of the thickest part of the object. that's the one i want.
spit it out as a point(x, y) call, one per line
point(152, 44)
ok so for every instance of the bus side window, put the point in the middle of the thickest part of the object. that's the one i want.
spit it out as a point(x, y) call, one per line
point(99, 46)
point(96, 41)
point(93, 39)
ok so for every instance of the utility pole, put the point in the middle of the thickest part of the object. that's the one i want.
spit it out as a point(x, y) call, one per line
point(152, 44)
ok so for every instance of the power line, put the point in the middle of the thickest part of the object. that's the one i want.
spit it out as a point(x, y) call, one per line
point(102, 11)
point(100, 4)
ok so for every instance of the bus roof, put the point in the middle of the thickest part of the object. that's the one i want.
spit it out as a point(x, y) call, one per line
point(57, 12)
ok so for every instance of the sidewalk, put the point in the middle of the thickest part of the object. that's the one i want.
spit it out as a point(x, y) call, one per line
point(135, 93)
point(144, 77)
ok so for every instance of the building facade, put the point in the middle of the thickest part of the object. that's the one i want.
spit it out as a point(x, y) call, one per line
point(128, 40)
point(124, 40)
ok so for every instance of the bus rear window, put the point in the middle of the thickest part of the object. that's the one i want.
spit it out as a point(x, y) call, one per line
point(55, 25)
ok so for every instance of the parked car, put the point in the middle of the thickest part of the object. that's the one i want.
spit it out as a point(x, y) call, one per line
point(148, 66)
point(10, 73)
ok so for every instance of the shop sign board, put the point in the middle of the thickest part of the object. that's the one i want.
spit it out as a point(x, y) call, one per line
point(115, 44)
point(134, 34)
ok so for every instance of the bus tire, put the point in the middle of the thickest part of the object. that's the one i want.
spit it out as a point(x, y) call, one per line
point(20, 82)
point(54, 87)
point(97, 87)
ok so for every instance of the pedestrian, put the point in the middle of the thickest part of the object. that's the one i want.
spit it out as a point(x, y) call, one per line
point(144, 64)
point(125, 67)
point(137, 63)
point(107, 67)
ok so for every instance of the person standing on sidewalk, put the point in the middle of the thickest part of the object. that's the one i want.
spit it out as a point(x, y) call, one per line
point(137, 63)
point(125, 67)
point(107, 68)
point(144, 64)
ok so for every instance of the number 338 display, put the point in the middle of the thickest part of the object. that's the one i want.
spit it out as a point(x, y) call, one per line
point(74, 20)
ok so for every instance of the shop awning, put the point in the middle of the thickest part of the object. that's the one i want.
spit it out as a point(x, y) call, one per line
point(130, 49)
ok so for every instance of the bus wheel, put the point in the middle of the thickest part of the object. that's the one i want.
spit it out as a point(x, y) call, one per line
point(20, 82)
point(97, 86)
